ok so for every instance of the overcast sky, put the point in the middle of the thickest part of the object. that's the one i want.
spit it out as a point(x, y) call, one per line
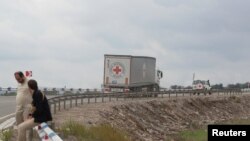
point(64, 41)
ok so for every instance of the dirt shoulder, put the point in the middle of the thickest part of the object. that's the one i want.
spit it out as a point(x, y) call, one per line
point(154, 119)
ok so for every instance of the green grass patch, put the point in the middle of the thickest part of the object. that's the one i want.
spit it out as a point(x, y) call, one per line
point(196, 135)
point(192, 135)
point(6, 135)
point(236, 121)
point(200, 134)
point(102, 132)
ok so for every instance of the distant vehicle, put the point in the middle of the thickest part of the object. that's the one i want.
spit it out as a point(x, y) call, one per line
point(201, 86)
point(124, 73)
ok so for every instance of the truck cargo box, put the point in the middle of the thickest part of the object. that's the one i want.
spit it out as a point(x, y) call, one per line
point(128, 71)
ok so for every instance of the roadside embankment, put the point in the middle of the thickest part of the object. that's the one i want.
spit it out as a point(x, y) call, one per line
point(154, 119)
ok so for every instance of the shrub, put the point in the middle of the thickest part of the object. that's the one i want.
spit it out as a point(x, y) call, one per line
point(5, 135)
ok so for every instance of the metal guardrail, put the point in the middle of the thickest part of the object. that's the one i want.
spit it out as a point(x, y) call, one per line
point(67, 101)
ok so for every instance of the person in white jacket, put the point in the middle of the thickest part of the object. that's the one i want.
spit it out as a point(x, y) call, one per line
point(23, 100)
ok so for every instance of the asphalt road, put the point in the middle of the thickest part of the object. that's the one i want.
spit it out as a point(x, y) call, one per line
point(7, 105)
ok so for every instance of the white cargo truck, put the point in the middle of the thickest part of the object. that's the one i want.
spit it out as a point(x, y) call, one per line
point(124, 73)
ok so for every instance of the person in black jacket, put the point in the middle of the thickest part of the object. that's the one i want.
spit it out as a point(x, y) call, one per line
point(40, 111)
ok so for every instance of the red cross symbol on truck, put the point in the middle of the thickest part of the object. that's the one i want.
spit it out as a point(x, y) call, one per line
point(117, 69)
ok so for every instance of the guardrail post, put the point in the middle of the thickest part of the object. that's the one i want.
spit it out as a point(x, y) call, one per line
point(76, 100)
point(96, 98)
point(59, 105)
point(54, 107)
point(71, 102)
point(64, 103)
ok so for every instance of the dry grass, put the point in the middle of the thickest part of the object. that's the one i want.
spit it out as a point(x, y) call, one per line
point(95, 133)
